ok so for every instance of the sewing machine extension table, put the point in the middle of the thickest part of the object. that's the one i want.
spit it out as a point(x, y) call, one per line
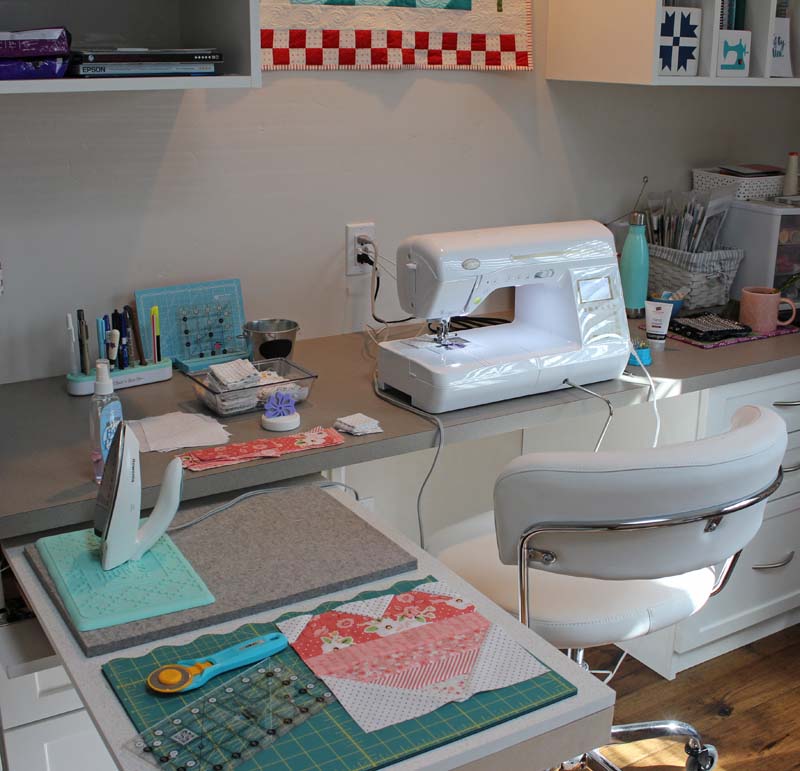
point(536, 740)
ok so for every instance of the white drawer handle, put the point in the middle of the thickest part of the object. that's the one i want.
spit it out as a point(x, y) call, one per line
point(791, 469)
point(786, 404)
point(775, 565)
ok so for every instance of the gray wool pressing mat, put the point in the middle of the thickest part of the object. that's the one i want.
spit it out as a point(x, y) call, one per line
point(265, 552)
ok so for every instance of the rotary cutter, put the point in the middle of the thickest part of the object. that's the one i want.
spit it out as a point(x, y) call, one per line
point(187, 675)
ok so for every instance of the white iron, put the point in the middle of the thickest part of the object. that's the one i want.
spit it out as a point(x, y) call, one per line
point(119, 500)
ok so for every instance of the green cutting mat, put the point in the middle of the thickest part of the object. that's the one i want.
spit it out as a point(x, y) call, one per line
point(332, 740)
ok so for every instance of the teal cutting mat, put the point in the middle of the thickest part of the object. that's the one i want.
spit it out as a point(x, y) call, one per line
point(201, 324)
point(331, 740)
point(161, 582)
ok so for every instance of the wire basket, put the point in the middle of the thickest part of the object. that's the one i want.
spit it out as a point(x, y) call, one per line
point(709, 275)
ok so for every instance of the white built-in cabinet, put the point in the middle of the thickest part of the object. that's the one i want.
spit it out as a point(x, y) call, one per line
point(616, 41)
point(763, 595)
point(230, 25)
point(44, 724)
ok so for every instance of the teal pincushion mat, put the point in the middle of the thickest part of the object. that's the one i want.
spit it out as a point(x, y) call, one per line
point(161, 582)
point(331, 740)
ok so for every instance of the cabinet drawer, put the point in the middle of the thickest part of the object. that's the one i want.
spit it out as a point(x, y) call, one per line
point(780, 392)
point(33, 684)
point(65, 743)
point(761, 587)
point(791, 469)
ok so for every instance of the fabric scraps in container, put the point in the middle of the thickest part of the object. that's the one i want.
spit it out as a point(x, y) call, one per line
point(231, 454)
point(400, 656)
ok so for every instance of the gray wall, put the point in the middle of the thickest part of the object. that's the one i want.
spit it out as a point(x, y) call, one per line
point(105, 193)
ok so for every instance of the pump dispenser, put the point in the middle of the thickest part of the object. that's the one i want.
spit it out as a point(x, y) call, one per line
point(104, 417)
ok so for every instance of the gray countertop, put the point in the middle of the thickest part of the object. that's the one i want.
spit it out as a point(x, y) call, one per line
point(45, 474)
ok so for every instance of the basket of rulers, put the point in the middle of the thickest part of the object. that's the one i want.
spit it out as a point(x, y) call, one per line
point(708, 275)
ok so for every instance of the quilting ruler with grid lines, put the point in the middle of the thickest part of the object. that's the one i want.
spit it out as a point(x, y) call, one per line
point(234, 721)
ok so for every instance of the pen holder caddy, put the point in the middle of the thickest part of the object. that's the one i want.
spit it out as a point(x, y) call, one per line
point(709, 275)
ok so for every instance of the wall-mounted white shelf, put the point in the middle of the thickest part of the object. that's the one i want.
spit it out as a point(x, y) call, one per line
point(616, 41)
point(230, 25)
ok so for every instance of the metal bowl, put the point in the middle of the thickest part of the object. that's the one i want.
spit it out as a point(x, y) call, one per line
point(270, 338)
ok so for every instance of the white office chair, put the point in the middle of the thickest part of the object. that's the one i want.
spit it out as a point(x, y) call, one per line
point(622, 544)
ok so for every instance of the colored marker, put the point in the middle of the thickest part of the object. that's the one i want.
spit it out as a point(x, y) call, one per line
point(100, 325)
point(73, 355)
point(155, 326)
point(123, 342)
point(133, 326)
point(107, 322)
point(83, 343)
point(116, 325)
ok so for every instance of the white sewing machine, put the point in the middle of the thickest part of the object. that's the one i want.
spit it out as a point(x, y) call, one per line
point(569, 320)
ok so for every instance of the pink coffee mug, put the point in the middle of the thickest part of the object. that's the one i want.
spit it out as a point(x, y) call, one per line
point(759, 307)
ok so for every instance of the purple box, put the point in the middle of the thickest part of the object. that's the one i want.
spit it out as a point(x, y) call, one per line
point(33, 69)
point(34, 43)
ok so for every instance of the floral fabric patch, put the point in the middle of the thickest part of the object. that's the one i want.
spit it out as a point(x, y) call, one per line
point(396, 657)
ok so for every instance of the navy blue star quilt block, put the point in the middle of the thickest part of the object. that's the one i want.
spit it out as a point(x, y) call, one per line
point(679, 41)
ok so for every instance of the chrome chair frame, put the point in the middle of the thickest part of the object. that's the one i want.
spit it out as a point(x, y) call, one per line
point(701, 757)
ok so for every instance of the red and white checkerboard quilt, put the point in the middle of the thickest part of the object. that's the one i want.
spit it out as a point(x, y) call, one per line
point(304, 35)
point(391, 49)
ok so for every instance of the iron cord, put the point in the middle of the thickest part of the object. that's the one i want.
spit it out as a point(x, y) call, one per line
point(253, 494)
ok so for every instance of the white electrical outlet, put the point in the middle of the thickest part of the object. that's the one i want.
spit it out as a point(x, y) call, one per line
point(352, 232)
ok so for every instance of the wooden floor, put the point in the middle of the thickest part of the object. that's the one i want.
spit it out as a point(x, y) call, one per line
point(747, 703)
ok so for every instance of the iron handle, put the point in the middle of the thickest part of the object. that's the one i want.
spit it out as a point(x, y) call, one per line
point(775, 565)
point(791, 469)
point(786, 404)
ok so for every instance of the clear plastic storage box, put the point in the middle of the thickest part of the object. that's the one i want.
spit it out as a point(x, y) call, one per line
point(278, 375)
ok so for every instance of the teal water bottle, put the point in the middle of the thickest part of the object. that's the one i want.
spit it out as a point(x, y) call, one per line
point(634, 267)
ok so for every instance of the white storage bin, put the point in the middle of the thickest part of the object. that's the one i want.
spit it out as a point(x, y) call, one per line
point(748, 187)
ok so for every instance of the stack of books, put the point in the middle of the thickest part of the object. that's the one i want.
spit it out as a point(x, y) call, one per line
point(144, 62)
point(34, 54)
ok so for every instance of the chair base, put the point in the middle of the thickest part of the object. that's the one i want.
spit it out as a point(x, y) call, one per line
point(700, 757)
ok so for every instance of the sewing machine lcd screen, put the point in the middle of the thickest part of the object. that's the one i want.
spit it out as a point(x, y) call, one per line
point(594, 290)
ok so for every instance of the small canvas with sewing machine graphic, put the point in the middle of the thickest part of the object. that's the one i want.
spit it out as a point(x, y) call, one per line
point(569, 321)
point(733, 60)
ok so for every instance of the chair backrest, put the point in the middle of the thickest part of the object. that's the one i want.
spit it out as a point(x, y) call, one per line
point(672, 482)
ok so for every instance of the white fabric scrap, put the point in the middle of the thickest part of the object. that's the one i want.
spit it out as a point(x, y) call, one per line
point(176, 430)
point(358, 425)
point(233, 374)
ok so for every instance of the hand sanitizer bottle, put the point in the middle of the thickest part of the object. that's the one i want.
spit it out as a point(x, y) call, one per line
point(634, 267)
point(104, 417)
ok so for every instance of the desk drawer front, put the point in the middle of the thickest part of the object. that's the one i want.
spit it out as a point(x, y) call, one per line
point(765, 584)
point(779, 392)
point(791, 469)
point(66, 743)
point(33, 684)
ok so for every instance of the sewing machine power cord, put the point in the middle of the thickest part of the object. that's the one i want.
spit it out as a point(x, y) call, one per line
point(439, 443)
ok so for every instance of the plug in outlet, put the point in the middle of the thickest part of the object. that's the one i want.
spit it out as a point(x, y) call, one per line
point(352, 247)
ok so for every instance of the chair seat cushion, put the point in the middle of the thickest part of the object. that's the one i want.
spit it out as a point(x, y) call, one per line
point(574, 612)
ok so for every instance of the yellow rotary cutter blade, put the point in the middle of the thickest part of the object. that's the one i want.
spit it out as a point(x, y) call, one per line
point(188, 675)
